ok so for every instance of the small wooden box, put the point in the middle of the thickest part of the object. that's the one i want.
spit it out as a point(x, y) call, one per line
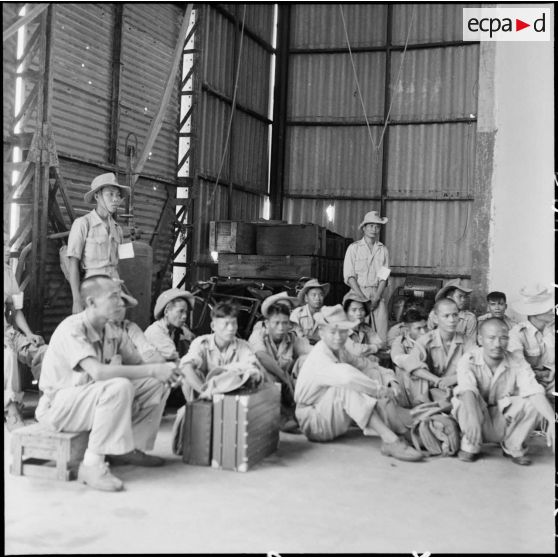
point(40, 452)
point(198, 424)
point(245, 427)
point(291, 240)
point(233, 237)
point(270, 267)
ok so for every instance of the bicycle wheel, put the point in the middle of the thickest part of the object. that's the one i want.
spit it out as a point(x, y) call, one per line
point(200, 316)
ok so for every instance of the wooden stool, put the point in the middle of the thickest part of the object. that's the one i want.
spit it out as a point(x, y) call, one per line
point(40, 452)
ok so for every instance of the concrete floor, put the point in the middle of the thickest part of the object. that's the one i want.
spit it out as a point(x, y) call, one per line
point(341, 497)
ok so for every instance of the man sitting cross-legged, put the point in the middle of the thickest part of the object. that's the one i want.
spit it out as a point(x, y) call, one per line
point(334, 388)
point(497, 398)
point(93, 380)
point(432, 363)
point(278, 348)
point(219, 361)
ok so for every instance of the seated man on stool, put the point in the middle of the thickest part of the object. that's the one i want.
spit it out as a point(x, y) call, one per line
point(497, 398)
point(94, 380)
point(219, 356)
point(20, 344)
point(335, 387)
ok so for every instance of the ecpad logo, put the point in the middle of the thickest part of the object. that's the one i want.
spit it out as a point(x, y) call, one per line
point(507, 24)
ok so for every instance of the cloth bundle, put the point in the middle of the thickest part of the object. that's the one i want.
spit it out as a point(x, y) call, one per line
point(433, 430)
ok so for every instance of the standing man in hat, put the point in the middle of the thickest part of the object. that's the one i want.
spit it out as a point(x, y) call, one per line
point(311, 297)
point(169, 334)
point(534, 338)
point(335, 388)
point(94, 238)
point(467, 322)
point(366, 270)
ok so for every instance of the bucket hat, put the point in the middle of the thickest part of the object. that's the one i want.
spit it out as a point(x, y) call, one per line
point(373, 217)
point(452, 284)
point(534, 300)
point(312, 284)
point(107, 179)
point(334, 316)
point(168, 296)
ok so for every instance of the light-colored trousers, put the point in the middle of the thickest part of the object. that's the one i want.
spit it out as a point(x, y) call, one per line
point(378, 318)
point(121, 414)
point(510, 424)
point(332, 416)
point(18, 347)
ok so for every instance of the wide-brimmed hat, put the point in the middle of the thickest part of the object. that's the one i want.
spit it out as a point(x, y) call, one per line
point(353, 295)
point(107, 179)
point(535, 299)
point(282, 298)
point(450, 285)
point(373, 217)
point(334, 316)
point(167, 296)
point(312, 284)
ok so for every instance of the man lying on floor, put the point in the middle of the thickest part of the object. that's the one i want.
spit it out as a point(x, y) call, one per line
point(497, 397)
point(334, 388)
point(93, 380)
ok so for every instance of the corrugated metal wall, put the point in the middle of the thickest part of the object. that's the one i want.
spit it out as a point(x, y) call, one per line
point(241, 165)
point(83, 40)
point(426, 189)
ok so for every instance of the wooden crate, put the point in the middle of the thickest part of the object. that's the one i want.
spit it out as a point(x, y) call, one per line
point(197, 433)
point(245, 427)
point(40, 452)
point(291, 240)
point(233, 237)
point(271, 267)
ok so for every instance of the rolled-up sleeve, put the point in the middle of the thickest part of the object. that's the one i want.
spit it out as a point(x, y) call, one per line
point(196, 355)
point(76, 239)
point(349, 263)
point(466, 379)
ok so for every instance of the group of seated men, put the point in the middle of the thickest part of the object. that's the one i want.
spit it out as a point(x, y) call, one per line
point(101, 373)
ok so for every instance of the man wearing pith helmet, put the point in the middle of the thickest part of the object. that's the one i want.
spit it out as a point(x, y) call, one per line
point(366, 270)
point(95, 237)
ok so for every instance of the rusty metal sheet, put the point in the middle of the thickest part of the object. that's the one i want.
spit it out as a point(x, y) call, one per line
point(432, 160)
point(436, 83)
point(333, 159)
point(322, 87)
point(321, 26)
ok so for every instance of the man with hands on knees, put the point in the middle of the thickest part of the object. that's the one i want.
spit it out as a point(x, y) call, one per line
point(497, 397)
point(93, 379)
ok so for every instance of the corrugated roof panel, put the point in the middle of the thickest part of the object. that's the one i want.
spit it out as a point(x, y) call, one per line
point(218, 63)
point(435, 83)
point(323, 87)
point(82, 57)
point(432, 159)
point(259, 19)
point(333, 159)
point(249, 152)
point(430, 22)
point(253, 91)
point(214, 122)
point(430, 237)
point(321, 25)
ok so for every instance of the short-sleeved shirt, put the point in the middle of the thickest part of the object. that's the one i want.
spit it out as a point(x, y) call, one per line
point(74, 340)
point(466, 324)
point(205, 356)
point(285, 353)
point(364, 264)
point(159, 335)
point(506, 319)
point(304, 319)
point(537, 347)
point(139, 340)
point(10, 288)
point(365, 335)
point(94, 243)
point(513, 377)
point(430, 353)
point(394, 332)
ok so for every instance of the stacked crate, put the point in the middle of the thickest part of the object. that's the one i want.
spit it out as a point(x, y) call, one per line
point(280, 251)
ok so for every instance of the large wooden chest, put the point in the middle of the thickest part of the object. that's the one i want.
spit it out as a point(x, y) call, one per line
point(245, 427)
point(271, 267)
point(291, 240)
point(197, 432)
point(234, 237)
